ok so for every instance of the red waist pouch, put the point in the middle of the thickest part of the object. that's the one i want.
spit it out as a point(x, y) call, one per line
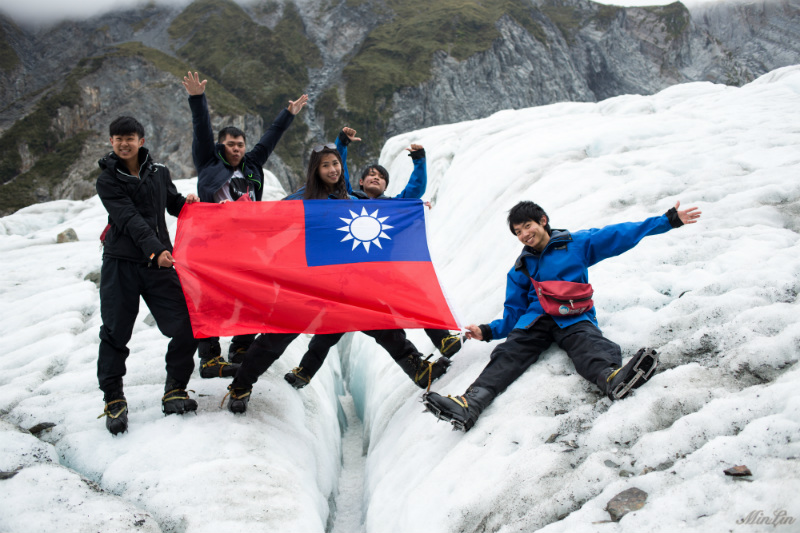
point(561, 298)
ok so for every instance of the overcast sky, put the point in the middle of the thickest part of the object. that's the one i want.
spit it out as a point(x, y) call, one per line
point(46, 11)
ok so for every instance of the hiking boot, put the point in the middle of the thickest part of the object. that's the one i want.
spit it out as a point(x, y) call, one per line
point(450, 345)
point(422, 371)
point(297, 378)
point(236, 355)
point(461, 411)
point(176, 400)
point(237, 399)
point(633, 375)
point(238, 347)
point(216, 367)
point(116, 413)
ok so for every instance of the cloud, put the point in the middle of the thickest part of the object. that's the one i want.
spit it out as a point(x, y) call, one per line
point(50, 11)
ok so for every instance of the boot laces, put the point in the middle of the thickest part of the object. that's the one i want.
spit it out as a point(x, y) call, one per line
point(297, 372)
point(235, 395)
point(176, 394)
point(216, 361)
point(109, 414)
point(460, 400)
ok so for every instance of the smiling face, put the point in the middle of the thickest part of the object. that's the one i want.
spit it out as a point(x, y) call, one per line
point(329, 170)
point(126, 147)
point(532, 233)
point(373, 184)
point(234, 149)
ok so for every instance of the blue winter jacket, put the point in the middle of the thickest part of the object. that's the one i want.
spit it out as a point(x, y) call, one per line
point(212, 170)
point(566, 257)
point(415, 187)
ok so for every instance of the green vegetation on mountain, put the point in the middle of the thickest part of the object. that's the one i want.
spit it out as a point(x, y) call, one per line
point(674, 16)
point(52, 152)
point(605, 15)
point(225, 103)
point(8, 58)
point(263, 68)
point(399, 53)
point(565, 16)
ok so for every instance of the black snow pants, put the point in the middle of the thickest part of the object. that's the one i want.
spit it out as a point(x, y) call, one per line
point(268, 347)
point(591, 353)
point(121, 284)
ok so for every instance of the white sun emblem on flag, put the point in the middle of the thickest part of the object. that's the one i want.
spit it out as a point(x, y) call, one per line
point(365, 229)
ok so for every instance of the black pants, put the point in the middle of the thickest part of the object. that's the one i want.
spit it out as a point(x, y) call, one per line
point(209, 347)
point(268, 347)
point(393, 341)
point(121, 284)
point(591, 353)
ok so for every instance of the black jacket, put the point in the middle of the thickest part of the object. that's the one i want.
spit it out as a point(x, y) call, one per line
point(138, 228)
point(208, 156)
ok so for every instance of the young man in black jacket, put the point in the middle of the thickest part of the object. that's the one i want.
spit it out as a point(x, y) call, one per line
point(225, 172)
point(137, 261)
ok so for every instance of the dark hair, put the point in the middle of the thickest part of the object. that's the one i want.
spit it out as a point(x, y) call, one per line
point(382, 171)
point(230, 131)
point(316, 189)
point(525, 211)
point(125, 126)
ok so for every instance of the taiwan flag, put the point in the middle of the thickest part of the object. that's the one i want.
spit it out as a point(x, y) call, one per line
point(318, 266)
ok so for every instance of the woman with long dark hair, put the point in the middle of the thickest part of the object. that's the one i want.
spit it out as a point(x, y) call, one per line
point(325, 177)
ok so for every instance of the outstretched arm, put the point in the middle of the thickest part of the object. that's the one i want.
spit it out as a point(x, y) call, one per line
point(345, 137)
point(418, 181)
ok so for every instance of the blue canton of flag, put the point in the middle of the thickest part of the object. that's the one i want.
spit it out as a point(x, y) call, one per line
point(364, 231)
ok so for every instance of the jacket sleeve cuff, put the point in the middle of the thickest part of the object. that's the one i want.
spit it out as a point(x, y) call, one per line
point(486, 332)
point(344, 139)
point(417, 154)
point(674, 220)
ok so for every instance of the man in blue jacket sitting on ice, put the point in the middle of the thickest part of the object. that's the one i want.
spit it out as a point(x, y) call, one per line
point(548, 299)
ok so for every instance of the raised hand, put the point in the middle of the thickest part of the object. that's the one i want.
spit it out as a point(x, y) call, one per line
point(415, 147)
point(296, 105)
point(193, 84)
point(351, 134)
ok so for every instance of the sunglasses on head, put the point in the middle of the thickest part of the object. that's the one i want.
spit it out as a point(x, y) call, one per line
point(321, 147)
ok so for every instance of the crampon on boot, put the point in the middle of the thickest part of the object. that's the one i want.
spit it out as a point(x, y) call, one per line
point(423, 372)
point(216, 367)
point(460, 411)
point(297, 378)
point(176, 400)
point(633, 375)
point(450, 345)
point(237, 399)
point(116, 413)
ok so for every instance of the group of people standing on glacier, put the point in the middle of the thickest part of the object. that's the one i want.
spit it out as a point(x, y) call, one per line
point(548, 297)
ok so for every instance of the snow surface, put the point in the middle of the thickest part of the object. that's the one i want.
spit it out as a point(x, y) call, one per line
point(718, 299)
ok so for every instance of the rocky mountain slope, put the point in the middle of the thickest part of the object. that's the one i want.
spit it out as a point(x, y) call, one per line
point(381, 66)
